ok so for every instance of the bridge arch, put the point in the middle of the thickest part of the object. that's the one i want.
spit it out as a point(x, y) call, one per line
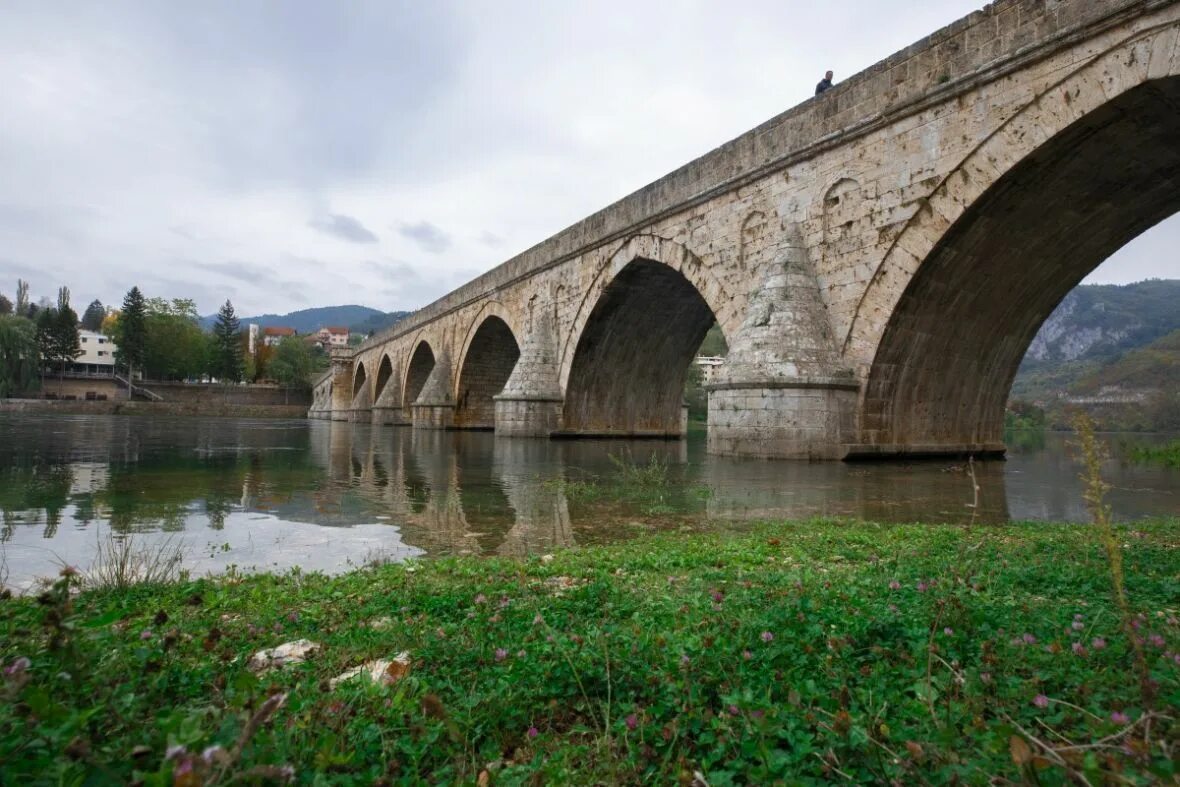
point(418, 370)
point(1088, 164)
point(384, 375)
point(490, 352)
point(623, 365)
point(359, 376)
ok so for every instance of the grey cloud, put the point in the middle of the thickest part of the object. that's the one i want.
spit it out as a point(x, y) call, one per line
point(428, 237)
point(242, 271)
point(491, 239)
point(343, 227)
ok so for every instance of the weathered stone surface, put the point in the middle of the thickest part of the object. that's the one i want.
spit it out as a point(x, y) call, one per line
point(288, 653)
point(383, 672)
point(925, 215)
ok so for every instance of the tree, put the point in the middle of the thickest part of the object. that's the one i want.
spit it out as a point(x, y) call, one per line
point(291, 364)
point(131, 333)
point(176, 347)
point(5, 305)
point(227, 346)
point(19, 357)
point(93, 316)
point(66, 344)
point(22, 297)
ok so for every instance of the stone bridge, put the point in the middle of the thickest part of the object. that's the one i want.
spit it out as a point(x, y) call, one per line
point(878, 257)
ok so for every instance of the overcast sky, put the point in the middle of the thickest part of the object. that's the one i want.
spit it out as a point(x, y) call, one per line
point(290, 154)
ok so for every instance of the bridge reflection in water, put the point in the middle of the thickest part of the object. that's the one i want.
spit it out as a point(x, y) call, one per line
point(468, 493)
point(325, 495)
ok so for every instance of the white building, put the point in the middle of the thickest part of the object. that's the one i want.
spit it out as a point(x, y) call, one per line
point(98, 353)
point(333, 336)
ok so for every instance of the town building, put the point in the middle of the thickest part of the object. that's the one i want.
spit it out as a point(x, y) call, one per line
point(333, 336)
point(271, 336)
point(98, 354)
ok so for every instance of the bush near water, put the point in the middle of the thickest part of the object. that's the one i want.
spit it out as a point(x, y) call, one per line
point(796, 653)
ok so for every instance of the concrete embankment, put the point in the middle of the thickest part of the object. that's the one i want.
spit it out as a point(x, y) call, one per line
point(115, 407)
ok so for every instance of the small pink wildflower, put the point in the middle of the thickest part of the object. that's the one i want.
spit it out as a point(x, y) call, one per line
point(145, 634)
point(1118, 717)
point(747, 655)
point(718, 596)
point(18, 666)
point(632, 721)
point(893, 608)
point(481, 599)
point(1079, 649)
point(985, 677)
point(1077, 625)
point(1041, 701)
point(1156, 640)
point(1098, 643)
point(767, 636)
point(501, 654)
point(895, 585)
point(533, 732)
point(922, 587)
point(950, 632)
point(685, 660)
point(1029, 639)
point(757, 714)
point(537, 619)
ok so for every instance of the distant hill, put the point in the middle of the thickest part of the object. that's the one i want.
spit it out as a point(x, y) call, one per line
point(1094, 327)
point(1113, 350)
point(358, 319)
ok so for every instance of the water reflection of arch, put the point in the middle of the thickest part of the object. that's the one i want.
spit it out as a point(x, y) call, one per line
point(530, 472)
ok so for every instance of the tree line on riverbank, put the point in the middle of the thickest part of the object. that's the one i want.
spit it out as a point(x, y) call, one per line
point(155, 338)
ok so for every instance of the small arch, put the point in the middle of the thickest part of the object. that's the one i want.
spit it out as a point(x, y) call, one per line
point(384, 374)
point(359, 377)
point(488, 361)
point(417, 372)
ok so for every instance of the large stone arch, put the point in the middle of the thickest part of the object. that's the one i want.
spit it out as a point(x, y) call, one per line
point(1087, 164)
point(637, 329)
point(489, 354)
point(418, 369)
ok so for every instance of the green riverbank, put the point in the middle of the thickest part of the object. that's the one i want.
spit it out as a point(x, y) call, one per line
point(796, 653)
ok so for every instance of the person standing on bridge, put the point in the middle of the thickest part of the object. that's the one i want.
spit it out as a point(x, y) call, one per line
point(824, 83)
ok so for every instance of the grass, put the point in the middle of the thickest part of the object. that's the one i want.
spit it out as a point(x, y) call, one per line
point(804, 652)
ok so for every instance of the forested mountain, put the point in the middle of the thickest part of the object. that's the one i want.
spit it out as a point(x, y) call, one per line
point(358, 319)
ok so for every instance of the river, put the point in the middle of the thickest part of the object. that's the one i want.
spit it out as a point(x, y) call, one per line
point(268, 494)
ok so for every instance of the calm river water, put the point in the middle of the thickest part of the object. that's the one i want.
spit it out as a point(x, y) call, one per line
point(265, 494)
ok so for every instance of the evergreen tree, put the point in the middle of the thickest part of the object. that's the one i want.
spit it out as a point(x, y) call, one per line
point(46, 322)
point(131, 333)
point(66, 344)
point(5, 305)
point(227, 346)
point(93, 316)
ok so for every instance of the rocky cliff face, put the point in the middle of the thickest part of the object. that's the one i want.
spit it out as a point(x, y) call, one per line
point(1063, 338)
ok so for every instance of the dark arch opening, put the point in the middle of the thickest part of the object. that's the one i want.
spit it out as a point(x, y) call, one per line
point(946, 361)
point(421, 365)
point(629, 366)
point(384, 372)
point(490, 360)
point(358, 380)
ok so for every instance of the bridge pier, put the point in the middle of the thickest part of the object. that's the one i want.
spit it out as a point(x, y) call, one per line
point(782, 392)
point(341, 361)
point(435, 406)
point(530, 404)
